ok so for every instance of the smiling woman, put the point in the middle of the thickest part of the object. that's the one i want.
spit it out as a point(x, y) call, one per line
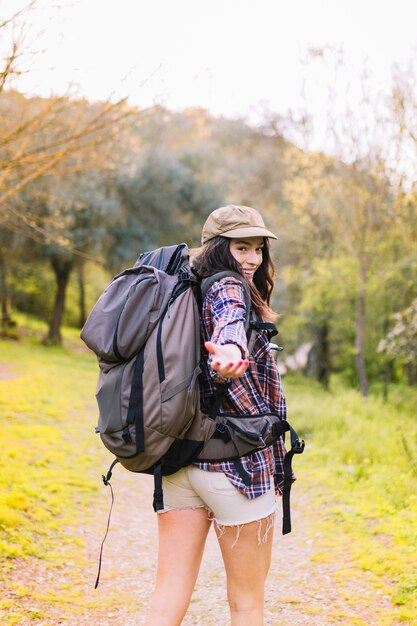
point(240, 384)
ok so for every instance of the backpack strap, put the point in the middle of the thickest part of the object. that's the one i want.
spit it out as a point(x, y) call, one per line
point(158, 494)
point(221, 390)
point(106, 480)
point(297, 447)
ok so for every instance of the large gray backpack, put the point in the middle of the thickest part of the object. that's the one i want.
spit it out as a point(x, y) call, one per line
point(145, 331)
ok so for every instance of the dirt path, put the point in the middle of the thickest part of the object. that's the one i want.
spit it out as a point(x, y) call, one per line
point(6, 372)
point(300, 591)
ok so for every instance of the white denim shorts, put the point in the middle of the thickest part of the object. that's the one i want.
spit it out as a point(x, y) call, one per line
point(192, 487)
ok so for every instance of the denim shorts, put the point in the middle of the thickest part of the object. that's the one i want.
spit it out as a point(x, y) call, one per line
point(192, 488)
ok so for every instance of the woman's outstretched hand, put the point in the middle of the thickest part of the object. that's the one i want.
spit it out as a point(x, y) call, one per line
point(227, 360)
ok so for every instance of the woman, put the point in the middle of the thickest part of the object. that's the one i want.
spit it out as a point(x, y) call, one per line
point(238, 497)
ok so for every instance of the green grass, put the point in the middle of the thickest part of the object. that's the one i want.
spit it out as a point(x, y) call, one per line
point(358, 471)
point(48, 464)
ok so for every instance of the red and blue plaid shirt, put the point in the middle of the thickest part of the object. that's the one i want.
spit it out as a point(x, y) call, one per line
point(259, 390)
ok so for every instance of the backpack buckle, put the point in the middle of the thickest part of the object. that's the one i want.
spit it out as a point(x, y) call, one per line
point(220, 389)
point(222, 432)
point(127, 437)
point(298, 447)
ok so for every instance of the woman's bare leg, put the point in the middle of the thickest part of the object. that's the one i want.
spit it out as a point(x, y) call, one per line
point(246, 551)
point(182, 536)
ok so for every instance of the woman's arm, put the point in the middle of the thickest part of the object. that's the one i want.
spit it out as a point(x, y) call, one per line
point(226, 308)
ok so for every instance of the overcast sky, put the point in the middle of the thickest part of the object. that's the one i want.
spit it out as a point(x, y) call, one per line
point(229, 56)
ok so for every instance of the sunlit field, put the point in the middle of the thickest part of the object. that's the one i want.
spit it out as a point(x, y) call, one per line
point(358, 469)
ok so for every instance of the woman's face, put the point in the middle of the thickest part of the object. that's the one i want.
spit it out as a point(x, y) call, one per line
point(248, 253)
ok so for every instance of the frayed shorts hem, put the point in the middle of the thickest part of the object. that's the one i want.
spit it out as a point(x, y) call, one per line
point(259, 518)
point(211, 516)
point(221, 528)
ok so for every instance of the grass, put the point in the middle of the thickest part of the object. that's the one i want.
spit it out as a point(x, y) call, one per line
point(46, 460)
point(359, 472)
point(359, 469)
point(49, 463)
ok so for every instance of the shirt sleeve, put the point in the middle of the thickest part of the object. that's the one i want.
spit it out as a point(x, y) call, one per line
point(226, 303)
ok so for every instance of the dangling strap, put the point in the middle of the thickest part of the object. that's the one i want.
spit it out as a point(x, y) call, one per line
point(219, 395)
point(242, 472)
point(106, 481)
point(297, 447)
point(158, 494)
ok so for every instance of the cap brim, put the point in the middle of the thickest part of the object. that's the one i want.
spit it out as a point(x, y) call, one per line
point(250, 231)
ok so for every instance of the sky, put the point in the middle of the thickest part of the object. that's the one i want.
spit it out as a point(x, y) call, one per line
point(233, 57)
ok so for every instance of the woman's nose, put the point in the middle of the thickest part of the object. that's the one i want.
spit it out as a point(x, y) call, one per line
point(253, 258)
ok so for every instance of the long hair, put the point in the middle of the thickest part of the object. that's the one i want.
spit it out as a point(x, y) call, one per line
point(215, 256)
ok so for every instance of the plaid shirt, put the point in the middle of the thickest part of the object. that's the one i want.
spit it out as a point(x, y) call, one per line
point(259, 390)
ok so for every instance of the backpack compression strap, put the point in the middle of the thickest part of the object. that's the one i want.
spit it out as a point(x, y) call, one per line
point(297, 447)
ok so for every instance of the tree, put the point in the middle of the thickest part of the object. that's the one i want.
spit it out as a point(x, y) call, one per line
point(401, 341)
point(351, 213)
point(38, 134)
point(163, 201)
point(79, 211)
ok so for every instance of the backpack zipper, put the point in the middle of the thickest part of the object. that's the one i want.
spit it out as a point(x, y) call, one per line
point(159, 352)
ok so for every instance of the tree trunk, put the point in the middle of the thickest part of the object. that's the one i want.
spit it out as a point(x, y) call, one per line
point(62, 269)
point(411, 374)
point(360, 332)
point(323, 354)
point(318, 361)
point(387, 373)
point(4, 295)
point(81, 293)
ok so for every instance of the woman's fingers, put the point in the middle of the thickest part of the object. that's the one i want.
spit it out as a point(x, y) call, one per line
point(231, 370)
point(227, 360)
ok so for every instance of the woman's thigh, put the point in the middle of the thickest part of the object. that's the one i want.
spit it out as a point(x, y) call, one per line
point(247, 561)
point(181, 538)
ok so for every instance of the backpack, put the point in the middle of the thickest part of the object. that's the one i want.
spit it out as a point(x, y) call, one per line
point(145, 331)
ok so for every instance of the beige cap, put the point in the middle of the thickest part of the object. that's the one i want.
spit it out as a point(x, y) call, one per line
point(235, 221)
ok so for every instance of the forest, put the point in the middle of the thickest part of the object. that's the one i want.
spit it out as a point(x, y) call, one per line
point(85, 187)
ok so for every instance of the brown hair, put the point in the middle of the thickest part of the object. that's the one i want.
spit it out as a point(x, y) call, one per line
point(215, 256)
